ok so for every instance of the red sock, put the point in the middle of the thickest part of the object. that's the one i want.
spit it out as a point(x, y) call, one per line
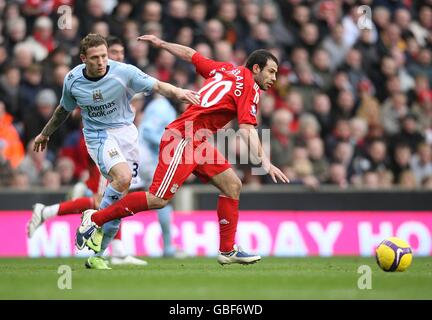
point(227, 210)
point(130, 204)
point(75, 206)
point(118, 234)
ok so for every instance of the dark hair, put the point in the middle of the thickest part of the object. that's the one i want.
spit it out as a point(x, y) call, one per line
point(260, 57)
point(113, 40)
point(91, 40)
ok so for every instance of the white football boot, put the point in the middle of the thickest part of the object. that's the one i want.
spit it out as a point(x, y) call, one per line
point(128, 260)
point(237, 256)
point(88, 233)
point(119, 256)
point(36, 219)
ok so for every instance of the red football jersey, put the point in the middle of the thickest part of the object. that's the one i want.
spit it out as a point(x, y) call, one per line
point(228, 92)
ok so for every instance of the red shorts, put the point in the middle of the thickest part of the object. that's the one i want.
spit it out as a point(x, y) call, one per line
point(178, 158)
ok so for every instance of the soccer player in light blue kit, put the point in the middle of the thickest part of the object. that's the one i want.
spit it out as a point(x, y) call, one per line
point(157, 115)
point(102, 89)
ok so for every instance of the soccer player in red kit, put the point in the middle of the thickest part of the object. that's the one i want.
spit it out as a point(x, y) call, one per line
point(228, 92)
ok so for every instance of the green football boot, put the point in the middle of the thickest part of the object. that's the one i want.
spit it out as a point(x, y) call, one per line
point(97, 263)
point(95, 241)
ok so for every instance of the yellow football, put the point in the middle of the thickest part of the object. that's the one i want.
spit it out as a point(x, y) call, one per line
point(394, 254)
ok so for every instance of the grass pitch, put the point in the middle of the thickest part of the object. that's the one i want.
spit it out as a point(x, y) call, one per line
point(203, 278)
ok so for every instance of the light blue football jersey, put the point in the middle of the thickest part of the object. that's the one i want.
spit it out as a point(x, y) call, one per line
point(104, 102)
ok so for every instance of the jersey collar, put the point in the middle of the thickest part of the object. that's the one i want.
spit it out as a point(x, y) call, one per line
point(96, 78)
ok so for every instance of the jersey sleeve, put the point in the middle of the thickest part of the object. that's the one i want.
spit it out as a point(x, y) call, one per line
point(247, 105)
point(204, 66)
point(140, 81)
point(67, 101)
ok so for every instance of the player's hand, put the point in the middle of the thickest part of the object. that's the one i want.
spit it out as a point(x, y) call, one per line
point(189, 96)
point(40, 143)
point(276, 174)
point(153, 40)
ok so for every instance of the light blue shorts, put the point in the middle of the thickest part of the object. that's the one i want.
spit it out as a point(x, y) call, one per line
point(113, 146)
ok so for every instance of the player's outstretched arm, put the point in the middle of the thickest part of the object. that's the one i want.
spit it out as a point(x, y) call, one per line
point(177, 50)
point(59, 116)
point(250, 136)
point(172, 92)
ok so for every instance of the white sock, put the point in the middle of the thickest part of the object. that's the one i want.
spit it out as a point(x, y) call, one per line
point(117, 249)
point(50, 211)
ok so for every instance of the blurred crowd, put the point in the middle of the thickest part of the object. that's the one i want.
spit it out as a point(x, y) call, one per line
point(352, 105)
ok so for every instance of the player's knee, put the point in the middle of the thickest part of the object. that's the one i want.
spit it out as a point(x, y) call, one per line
point(123, 181)
point(234, 188)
